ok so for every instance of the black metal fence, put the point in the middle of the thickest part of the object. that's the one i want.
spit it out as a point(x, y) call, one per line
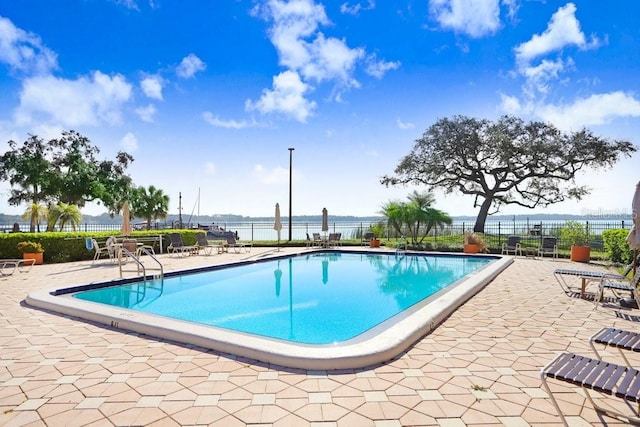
point(451, 236)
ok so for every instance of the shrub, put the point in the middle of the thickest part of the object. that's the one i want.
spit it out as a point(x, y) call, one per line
point(475, 239)
point(615, 244)
point(377, 229)
point(575, 233)
point(30, 247)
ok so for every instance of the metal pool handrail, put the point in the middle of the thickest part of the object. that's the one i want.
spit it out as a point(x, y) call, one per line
point(139, 263)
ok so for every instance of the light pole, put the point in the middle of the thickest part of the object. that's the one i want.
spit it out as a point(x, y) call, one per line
point(290, 180)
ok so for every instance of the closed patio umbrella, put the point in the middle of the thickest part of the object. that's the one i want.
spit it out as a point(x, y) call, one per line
point(277, 225)
point(125, 229)
point(325, 220)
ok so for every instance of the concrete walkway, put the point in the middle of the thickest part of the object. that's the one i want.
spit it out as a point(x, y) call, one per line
point(480, 367)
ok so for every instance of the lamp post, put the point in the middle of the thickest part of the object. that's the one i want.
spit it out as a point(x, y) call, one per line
point(290, 180)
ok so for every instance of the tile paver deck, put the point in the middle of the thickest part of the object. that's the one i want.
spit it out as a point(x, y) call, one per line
point(479, 367)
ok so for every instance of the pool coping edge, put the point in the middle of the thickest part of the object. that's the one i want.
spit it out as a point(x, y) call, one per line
point(375, 350)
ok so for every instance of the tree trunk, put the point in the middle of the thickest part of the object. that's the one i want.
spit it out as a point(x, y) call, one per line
point(482, 215)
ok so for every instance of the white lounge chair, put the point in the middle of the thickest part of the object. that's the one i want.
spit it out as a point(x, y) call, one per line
point(178, 247)
point(204, 245)
point(237, 246)
point(10, 266)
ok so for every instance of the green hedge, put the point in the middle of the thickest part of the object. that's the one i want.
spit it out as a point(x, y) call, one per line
point(615, 244)
point(71, 246)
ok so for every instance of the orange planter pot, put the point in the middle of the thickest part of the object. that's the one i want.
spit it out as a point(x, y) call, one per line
point(580, 253)
point(34, 255)
point(470, 249)
point(374, 243)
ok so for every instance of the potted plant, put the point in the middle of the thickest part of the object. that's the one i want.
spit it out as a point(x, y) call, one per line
point(473, 243)
point(378, 230)
point(577, 235)
point(31, 250)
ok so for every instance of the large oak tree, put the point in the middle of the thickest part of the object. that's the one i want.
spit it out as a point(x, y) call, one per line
point(505, 162)
point(64, 170)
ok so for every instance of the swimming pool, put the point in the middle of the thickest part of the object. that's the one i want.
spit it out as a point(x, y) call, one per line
point(318, 310)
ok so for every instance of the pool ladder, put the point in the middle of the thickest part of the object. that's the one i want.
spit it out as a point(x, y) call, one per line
point(140, 267)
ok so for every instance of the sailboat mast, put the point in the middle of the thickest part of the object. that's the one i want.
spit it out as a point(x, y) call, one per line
point(180, 209)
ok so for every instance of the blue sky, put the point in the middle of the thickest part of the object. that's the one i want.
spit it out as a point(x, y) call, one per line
point(209, 95)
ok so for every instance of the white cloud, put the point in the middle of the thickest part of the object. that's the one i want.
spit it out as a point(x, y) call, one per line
point(133, 4)
point(152, 87)
point(129, 4)
point(404, 125)
point(476, 18)
point(147, 113)
point(275, 176)
point(332, 59)
point(512, 9)
point(23, 51)
point(378, 69)
point(597, 109)
point(84, 101)
point(510, 105)
point(539, 76)
point(129, 143)
point(543, 75)
point(355, 9)
point(189, 66)
point(311, 56)
point(216, 121)
point(562, 30)
point(209, 168)
point(287, 97)
point(293, 22)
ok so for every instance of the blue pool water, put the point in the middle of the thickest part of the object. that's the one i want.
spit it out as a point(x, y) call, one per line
point(318, 298)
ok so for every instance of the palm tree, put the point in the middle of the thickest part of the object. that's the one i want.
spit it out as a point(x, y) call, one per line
point(424, 214)
point(63, 215)
point(52, 218)
point(35, 213)
point(396, 215)
point(150, 204)
point(416, 217)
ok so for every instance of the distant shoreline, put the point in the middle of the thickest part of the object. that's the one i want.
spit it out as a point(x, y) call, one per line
point(231, 218)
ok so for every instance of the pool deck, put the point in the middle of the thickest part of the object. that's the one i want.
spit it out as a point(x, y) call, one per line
point(479, 367)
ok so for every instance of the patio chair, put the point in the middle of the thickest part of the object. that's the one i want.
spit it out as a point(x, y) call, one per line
point(178, 247)
point(615, 286)
point(237, 246)
point(204, 245)
point(107, 249)
point(310, 243)
point(549, 246)
point(512, 246)
point(10, 266)
point(366, 238)
point(317, 239)
point(615, 380)
point(132, 248)
point(334, 239)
